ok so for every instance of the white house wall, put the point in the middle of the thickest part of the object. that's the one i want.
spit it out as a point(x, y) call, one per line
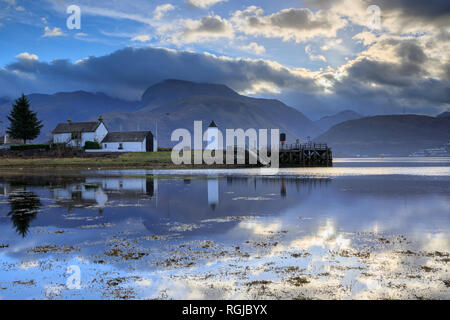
point(87, 136)
point(126, 146)
point(100, 133)
point(98, 136)
point(62, 137)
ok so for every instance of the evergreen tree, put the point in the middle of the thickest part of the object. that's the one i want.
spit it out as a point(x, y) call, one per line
point(24, 208)
point(24, 122)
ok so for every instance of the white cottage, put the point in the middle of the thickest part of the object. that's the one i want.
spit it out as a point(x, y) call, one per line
point(129, 141)
point(75, 134)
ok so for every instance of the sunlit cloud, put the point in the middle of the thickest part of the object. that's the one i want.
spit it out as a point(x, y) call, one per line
point(52, 32)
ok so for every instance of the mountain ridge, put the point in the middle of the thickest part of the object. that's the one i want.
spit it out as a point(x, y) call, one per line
point(397, 135)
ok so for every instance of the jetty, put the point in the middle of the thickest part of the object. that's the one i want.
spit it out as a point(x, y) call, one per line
point(294, 156)
point(306, 155)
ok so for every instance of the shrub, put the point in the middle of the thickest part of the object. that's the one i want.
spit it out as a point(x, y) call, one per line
point(30, 147)
point(92, 145)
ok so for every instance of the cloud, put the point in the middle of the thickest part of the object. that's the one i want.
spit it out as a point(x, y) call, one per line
point(55, 32)
point(365, 37)
point(391, 72)
point(204, 4)
point(289, 24)
point(142, 38)
point(313, 56)
point(116, 14)
point(415, 15)
point(161, 10)
point(27, 56)
point(255, 48)
point(146, 66)
point(10, 2)
point(396, 73)
point(205, 29)
point(397, 16)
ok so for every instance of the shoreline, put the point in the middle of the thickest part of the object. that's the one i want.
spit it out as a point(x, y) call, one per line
point(126, 161)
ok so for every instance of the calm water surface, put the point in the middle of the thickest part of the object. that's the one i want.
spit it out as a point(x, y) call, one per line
point(366, 228)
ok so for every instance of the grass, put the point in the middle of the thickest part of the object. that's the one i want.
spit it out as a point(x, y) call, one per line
point(149, 160)
point(129, 159)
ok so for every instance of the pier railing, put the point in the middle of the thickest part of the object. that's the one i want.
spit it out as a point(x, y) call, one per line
point(306, 146)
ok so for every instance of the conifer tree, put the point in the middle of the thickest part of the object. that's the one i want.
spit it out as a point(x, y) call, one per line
point(24, 123)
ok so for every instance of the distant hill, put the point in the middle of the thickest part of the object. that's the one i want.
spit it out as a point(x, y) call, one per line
point(393, 135)
point(443, 114)
point(172, 90)
point(78, 105)
point(176, 104)
point(327, 122)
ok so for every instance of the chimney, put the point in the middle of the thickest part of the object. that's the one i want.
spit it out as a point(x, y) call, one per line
point(69, 121)
point(100, 118)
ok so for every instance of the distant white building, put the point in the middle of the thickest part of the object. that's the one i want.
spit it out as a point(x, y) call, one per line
point(75, 134)
point(128, 141)
point(6, 141)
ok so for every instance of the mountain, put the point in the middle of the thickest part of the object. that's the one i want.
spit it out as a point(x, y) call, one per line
point(391, 135)
point(176, 104)
point(327, 122)
point(78, 106)
point(443, 114)
point(172, 90)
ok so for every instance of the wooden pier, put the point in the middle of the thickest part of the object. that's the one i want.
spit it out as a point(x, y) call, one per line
point(295, 155)
point(290, 156)
point(306, 155)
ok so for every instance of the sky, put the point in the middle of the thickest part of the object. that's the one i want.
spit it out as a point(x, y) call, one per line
point(319, 56)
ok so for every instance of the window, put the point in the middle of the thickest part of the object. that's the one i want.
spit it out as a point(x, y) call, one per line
point(105, 146)
point(120, 146)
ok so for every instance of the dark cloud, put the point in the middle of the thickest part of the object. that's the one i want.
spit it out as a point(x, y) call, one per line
point(299, 24)
point(128, 72)
point(403, 14)
point(429, 10)
point(300, 19)
point(385, 73)
point(210, 27)
point(211, 24)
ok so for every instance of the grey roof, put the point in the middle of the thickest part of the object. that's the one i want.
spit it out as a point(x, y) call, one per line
point(76, 127)
point(126, 136)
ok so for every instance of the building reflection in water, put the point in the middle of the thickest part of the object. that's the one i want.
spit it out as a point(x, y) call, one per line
point(213, 192)
point(98, 191)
